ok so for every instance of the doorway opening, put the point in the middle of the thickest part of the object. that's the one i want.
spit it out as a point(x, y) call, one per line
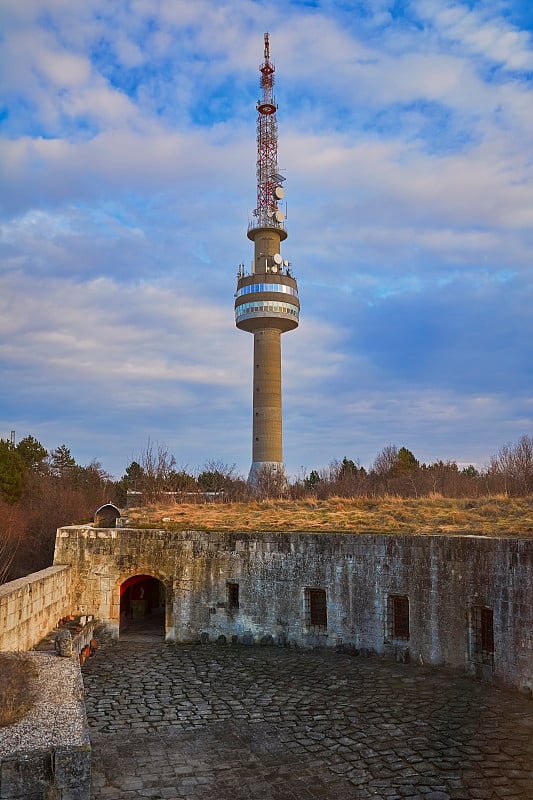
point(142, 607)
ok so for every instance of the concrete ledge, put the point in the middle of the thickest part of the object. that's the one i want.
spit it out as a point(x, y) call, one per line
point(47, 754)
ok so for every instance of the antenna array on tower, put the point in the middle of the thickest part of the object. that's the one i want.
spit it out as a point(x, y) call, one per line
point(269, 189)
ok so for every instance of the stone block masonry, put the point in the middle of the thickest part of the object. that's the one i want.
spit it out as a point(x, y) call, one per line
point(30, 607)
point(458, 601)
point(47, 754)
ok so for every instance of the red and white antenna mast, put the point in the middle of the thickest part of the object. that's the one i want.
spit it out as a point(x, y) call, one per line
point(269, 181)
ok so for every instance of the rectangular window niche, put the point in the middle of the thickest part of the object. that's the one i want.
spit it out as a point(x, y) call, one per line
point(232, 599)
point(482, 635)
point(316, 614)
point(398, 617)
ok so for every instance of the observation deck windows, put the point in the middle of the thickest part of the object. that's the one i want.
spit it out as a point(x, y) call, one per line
point(252, 288)
point(269, 307)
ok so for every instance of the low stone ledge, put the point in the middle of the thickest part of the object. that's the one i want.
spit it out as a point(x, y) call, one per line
point(81, 630)
point(48, 752)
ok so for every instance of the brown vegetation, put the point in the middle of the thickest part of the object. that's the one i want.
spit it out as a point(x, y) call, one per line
point(48, 503)
point(495, 516)
point(39, 492)
point(17, 676)
point(11, 527)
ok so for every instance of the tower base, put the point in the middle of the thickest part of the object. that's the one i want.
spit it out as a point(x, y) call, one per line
point(267, 475)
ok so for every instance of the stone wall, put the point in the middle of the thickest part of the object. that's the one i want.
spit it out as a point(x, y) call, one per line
point(469, 599)
point(47, 754)
point(30, 607)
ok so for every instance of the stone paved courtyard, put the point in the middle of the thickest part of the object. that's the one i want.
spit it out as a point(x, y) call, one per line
point(208, 721)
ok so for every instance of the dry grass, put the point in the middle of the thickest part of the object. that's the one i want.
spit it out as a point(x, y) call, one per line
point(17, 676)
point(496, 516)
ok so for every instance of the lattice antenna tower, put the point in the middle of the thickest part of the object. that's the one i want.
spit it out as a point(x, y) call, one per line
point(268, 178)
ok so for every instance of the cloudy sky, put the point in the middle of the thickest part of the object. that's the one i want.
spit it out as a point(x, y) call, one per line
point(127, 179)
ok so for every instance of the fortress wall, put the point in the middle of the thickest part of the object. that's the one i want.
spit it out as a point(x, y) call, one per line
point(30, 607)
point(444, 578)
point(47, 753)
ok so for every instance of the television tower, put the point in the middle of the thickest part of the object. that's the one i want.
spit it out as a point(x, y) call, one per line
point(266, 301)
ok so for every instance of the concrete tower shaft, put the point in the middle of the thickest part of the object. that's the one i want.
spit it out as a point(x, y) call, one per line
point(266, 300)
point(267, 444)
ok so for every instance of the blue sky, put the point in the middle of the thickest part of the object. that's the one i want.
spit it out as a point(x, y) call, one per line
point(127, 167)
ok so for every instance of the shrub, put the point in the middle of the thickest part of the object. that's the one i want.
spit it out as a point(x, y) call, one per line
point(17, 674)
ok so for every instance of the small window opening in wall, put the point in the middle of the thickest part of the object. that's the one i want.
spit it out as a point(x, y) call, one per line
point(398, 616)
point(482, 634)
point(316, 607)
point(233, 595)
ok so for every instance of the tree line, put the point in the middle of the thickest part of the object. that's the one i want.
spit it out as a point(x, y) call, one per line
point(397, 471)
point(41, 491)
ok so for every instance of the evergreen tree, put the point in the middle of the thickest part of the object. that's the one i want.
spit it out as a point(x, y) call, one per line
point(405, 460)
point(32, 452)
point(62, 463)
point(131, 480)
point(313, 480)
point(12, 470)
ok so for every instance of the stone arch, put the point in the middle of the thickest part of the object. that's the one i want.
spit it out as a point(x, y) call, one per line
point(142, 595)
point(106, 516)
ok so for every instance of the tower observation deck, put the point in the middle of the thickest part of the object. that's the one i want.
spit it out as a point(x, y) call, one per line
point(266, 300)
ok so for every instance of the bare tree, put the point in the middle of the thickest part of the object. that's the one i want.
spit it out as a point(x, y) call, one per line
point(270, 482)
point(513, 465)
point(158, 467)
point(385, 460)
point(11, 531)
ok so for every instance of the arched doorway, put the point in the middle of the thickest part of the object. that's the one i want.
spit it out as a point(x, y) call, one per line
point(142, 607)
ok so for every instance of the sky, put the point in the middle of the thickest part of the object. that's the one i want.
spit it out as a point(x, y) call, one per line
point(127, 181)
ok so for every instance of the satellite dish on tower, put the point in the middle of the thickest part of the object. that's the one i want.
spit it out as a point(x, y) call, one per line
point(279, 193)
point(277, 259)
point(279, 216)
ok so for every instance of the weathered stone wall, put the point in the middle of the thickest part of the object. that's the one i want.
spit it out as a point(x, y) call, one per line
point(30, 607)
point(47, 754)
point(443, 577)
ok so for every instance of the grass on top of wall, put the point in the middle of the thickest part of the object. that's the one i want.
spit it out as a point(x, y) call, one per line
point(17, 675)
point(496, 516)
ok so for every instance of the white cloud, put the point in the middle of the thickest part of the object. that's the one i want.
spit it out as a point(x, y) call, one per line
point(128, 169)
point(480, 31)
point(145, 333)
point(62, 69)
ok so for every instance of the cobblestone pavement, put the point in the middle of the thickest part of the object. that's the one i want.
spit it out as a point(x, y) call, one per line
point(207, 721)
